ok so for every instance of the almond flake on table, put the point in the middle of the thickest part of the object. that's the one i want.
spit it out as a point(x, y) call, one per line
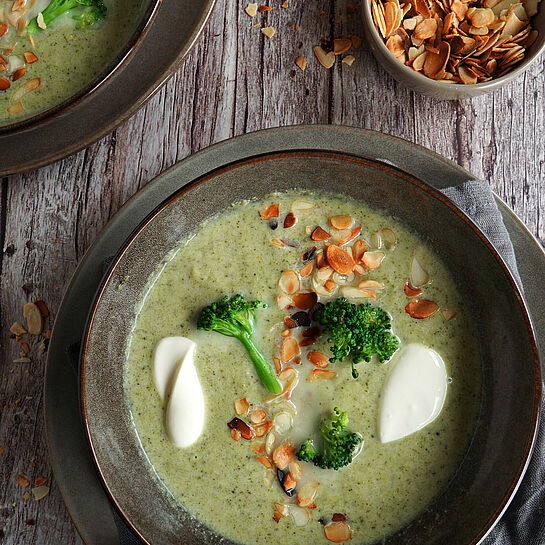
point(268, 31)
point(251, 9)
point(301, 62)
point(349, 59)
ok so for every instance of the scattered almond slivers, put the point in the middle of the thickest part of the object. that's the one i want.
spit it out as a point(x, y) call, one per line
point(462, 44)
point(301, 62)
point(372, 259)
point(251, 9)
point(318, 359)
point(290, 349)
point(409, 291)
point(327, 60)
point(421, 308)
point(257, 416)
point(271, 212)
point(319, 234)
point(268, 31)
point(307, 493)
point(283, 455)
point(340, 260)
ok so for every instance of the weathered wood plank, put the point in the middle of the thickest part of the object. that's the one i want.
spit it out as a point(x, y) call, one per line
point(235, 81)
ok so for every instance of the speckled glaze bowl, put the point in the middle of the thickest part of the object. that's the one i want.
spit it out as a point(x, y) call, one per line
point(166, 33)
point(499, 452)
point(447, 91)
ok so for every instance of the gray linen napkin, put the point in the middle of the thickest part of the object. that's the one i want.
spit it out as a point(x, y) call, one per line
point(524, 521)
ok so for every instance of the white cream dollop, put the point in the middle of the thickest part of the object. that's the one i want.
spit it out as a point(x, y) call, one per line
point(178, 385)
point(414, 392)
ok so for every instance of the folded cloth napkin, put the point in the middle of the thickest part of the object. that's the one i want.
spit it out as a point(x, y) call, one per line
point(524, 521)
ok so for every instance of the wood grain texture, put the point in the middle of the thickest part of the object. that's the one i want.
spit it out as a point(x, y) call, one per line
point(235, 81)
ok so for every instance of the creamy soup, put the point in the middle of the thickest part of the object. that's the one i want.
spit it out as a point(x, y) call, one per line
point(219, 480)
point(50, 65)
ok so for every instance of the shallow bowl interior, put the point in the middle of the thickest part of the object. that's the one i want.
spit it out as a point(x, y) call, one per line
point(148, 9)
point(498, 454)
point(422, 84)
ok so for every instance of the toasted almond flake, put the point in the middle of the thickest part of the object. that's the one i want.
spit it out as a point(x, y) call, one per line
point(421, 308)
point(259, 448)
point(330, 286)
point(300, 515)
point(409, 291)
point(389, 238)
point(3, 29)
point(327, 60)
point(305, 300)
point(40, 492)
point(341, 221)
point(235, 434)
point(281, 508)
point(17, 329)
point(290, 220)
point(4, 84)
point(306, 270)
point(391, 17)
point(287, 374)
point(341, 45)
point(283, 455)
point(284, 302)
point(241, 407)
point(27, 87)
point(263, 9)
point(346, 235)
point(358, 249)
point(242, 427)
point(370, 285)
point(33, 318)
point(277, 365)
point(285, 333)
point(261, 430)
point(301, 62)
point(449, 313)
point(418, 275)
point(271, 212)
point(257, 416)
point(22, 481)
point(373, 259)
point(296, 469)
point(268, 31)
point(319, 234)
point(356, 41)
point(30, 57)
point(396, 45)
point(290, 349)
point(378, 17)
point(426, 29)
point(17, 5)
point(321, 374)
point(375, 241)
point(269, 478)
point(299, 207)
point(307, 492)
point(318, 359)
point(270, 441)
point(290, 483)
point(251, 9)
point(337, 532)
point(352, 292)
point(18, 74)
point(283, 422)
point(349, 60)
point(289, 282)
point(340, 260)
point(44, 311)
point(265, 461)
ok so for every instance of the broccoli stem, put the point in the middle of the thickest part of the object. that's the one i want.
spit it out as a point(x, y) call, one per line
point(263, 367)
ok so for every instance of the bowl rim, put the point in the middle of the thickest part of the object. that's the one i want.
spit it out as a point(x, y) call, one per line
point(96, 83)
point(332, 154)
point(419, 79)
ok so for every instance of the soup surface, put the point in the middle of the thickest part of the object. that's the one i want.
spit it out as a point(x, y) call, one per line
point(219, 480)
point(61, 59)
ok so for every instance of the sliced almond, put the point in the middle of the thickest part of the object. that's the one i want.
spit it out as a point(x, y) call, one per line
point(300, 515)
point(370, 285)
point(290, 220)
point(346, 235)
point(358, 249)
point(340, 260)
point(30, 57)
point(299, 207)
point(389, 238)
point(409, 291)
point(235, 434)
point(284, 302)
point(316, 374)
point(307, 492)
point(268, 31)
point(421, 308)
point(290, 349)
point(296, 469)
point(283, 422)
point(319, 234)
point(349, 60)
point(351, 292)
point(341, 45)
point(261, 430)
point(289, 282)
point(306, 270)
point(426, 29)
point(341, 222)
point(271, 212)
point(283, 455)
point(305, 300)
point(418, 275)
point(318, 359)
point(301, 62)
point(327, 60)
point(449, 313)
point(337, 532)
point(241, 407)
point(17, 329)
point(33, 318)
point(373, 259)
point(257, 416)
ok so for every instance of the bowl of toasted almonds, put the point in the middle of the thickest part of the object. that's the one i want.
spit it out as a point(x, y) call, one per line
point(454, 49)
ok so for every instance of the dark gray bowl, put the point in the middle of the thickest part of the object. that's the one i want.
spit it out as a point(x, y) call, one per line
point(499, 452)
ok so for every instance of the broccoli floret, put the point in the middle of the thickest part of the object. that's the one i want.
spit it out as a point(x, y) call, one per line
point(338, 445)
point(307, 451)
point(358, 331)
point(89, 12)
point(235, 317)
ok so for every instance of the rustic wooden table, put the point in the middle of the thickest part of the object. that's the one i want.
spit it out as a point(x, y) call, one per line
point(236, 80)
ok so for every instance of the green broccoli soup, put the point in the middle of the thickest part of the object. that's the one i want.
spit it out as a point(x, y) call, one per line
point(51, 49)
point(302, 370)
